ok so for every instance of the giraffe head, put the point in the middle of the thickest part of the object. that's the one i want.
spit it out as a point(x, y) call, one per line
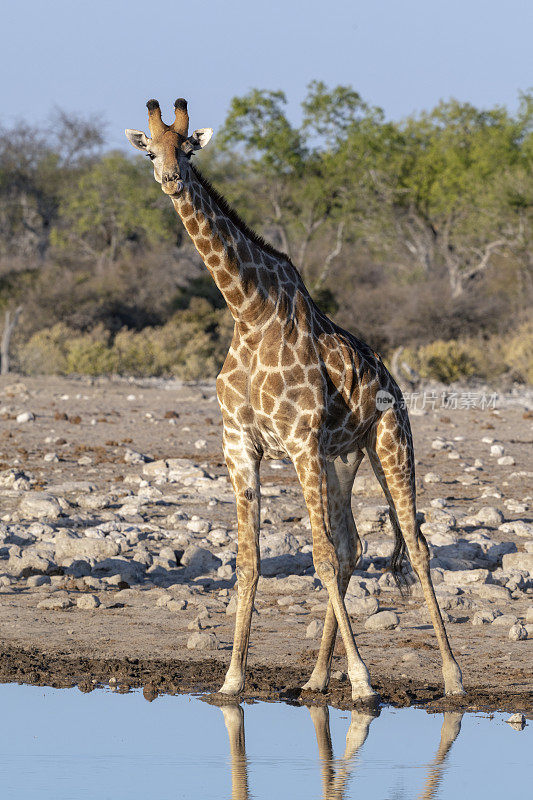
point(170, 146)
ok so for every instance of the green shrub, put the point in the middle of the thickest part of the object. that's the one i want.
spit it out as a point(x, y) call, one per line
point(448, 361)
point(518, 353)
point(488, 359)
point(192, 345)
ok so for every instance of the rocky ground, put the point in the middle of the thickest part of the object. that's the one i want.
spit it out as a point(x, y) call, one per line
point(118, 543)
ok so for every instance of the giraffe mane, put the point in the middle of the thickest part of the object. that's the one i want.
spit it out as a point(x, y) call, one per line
point(237, 220)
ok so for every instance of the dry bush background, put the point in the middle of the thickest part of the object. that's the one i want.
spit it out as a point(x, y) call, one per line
point(414, 234)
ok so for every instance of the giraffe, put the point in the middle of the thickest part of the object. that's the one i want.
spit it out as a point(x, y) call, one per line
point(294, 384)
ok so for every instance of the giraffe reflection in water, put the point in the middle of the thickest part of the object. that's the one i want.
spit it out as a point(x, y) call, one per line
point(335, 772)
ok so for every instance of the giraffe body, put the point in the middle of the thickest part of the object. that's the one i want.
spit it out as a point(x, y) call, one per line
point(295, 384)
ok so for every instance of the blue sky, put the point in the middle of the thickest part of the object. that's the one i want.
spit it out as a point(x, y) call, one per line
point(110, 57)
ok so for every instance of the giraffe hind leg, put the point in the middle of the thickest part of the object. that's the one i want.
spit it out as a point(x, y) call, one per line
point(391, 456)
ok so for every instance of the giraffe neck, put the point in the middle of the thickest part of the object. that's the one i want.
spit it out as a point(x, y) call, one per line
point(253, 278)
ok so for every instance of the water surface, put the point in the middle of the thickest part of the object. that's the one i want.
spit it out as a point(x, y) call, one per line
point(63, 744)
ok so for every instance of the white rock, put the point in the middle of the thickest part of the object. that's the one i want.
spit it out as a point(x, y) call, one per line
point(162, 600)
point(133, 457)
point(356, 589)
point(438, 502)
point(489, 591)
point(176, 605)
point(432, 477)
point(25, 416)
point(497, 450)
point(199, 559)
point(197, 525)
point(383, 620)
point(361, 606)
point(314, 629)
point(517, 721)
point(465, 577)
point(518, 527)
point(84, 548)
point(15, 479)
point(231, 608)
point(440, 517)
point(219, 537)
point(225, 572)
point(200, 444)
point(95, 501)
point(518, 561)
point(55, 603)
point(488, 515)
point(484, 617)
point(517, 633)
point(506, 461)
point(39, 505)
point(200, 622)
point(386, 581)
point(38, 580)
point(202, 641)
point(529, 614)
point(88, 602)
point(51, 458)
point(445, 590)
point(505, 620)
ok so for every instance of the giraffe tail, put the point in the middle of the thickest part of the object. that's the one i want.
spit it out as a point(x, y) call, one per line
point(399, 562)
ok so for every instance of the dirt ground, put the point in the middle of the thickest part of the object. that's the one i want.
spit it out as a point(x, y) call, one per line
point(89, 426)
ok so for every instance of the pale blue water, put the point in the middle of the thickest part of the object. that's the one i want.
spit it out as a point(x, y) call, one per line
point(60, 743)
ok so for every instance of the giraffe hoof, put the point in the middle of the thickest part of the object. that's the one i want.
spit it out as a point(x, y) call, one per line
point(232, 686)
point(364, 693)
point(453, 683)
point(454, 690)
point(316, 684)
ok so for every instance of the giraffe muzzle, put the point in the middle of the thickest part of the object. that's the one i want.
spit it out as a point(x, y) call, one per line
point(171, 184)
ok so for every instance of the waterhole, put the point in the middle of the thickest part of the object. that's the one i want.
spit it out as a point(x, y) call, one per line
point(62, 743)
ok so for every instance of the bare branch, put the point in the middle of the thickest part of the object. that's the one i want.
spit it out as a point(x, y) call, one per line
point(9, 326)
point(278, 220)
point(331, 255)
point(458, 278)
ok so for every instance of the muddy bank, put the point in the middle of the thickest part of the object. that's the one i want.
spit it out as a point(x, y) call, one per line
point(263, 683)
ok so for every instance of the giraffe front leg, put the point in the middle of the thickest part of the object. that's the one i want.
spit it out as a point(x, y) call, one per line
point(319, 680)
point(312, 474)
point(234, 721)
point(340, 476)
point(244, 473)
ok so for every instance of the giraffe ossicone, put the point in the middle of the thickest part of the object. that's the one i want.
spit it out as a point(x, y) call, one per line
point(294, 384)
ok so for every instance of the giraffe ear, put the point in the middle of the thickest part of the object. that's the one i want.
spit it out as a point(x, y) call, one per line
point(138, 139)
point(197, 140)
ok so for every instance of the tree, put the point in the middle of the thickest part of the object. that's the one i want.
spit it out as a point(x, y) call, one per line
point(299, 188)
point(112, 205)
point(445, 187)
point(35, 163)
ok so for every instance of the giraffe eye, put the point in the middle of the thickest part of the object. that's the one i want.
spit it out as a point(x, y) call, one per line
point(151, 156)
